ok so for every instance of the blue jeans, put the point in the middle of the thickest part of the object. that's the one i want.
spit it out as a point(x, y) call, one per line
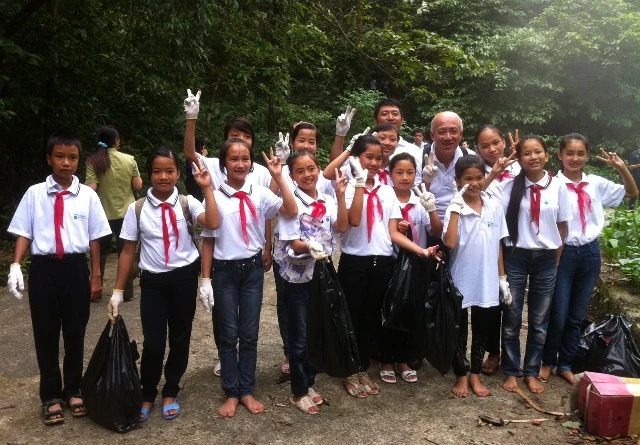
point(539, 266)
point(578, 273)
point(237, 287)
point(303, 375)
point(281, 308)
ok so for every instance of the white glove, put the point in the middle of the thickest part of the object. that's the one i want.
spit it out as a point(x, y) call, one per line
point(353, 139)
point(430, 171)
point(117, 297)
point(359, 175)
point(457, 202)
point(505, 292)
point(316, 250)
point(343, 123)
point(206, 294)
point(15, 282)
point(282, 148)
point(192, 105)
point(427, 199)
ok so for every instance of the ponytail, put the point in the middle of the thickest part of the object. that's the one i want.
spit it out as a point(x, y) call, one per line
point(107, 138)
point(513, 209)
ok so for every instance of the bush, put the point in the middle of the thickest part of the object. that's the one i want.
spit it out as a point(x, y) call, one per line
point(621, 243)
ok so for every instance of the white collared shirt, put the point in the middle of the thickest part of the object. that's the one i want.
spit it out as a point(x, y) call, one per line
point(474, 261)
point(442, 185)
point(554, 207)
point(152, 256)
point(415, 151)
point(299, 268)
point(603, 193)
point(230, 244)
point(419, 216)
point(84, 219)
point(259, 175)
point(355, 241)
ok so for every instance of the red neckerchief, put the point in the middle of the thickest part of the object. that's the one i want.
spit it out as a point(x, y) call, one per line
point(584, 202)
point(407, 217)
point(244, 198)
point(373, 201)
point(319, 209)
point(383, 176)
point(505, 175)
point(165, 229)
point(534, 205)
point(58, 221)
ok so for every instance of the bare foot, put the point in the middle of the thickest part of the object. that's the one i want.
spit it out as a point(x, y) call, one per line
point(568, 376)
point(545, 373)
point(461, 389)
point(510, 383)
point(386, 367)
point(477, 386)
point(147, 405)
point(252, 404)
point(534, 385)
point(168, 401)
point(491, 364)
point(229, 407)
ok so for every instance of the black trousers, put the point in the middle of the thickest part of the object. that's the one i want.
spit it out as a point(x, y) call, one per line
point(481, 320)
point(167, 300)
point(105, 245)
point(495, 331)
point(59, 295)
point(365, 280)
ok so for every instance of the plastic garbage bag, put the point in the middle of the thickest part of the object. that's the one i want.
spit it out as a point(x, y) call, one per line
point(608, 347)
point(331, 341)
point(442, 320)
point(111, 385)
point(403, 304)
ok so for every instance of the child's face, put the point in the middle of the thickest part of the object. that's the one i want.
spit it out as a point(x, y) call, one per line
point(64, 162)
point(238, 134)
point(490, 146)
point(238, 162)
point(533, 156)
point(418, 138)
point(389, 141)
point(305, 140)
point(371, 159)
point(475, 178)
point(305, 173)
point(403, 175)
point(164, 174)
point(574, 156)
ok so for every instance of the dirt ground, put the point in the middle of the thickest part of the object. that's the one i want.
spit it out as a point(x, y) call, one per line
point(422, 413)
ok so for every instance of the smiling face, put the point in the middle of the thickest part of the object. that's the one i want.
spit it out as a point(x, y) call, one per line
point(446, 134)
point(164, 175)
point(532, 157)
point(403, 175)
point(371, 159)
point(573, 156)
point(237, 163)
point(305, 172)
point(64, 163)
point(389, 141)
point(491, 146)
point(475, 178)
point(306, 139)
point(390, 114)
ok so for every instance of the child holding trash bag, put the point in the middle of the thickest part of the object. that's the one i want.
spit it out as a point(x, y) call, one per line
point(169, 266)
point(537, 213)
point(474, 226)
point(580, 262)
point(309, 238)
point(414, 216)
point(60, 220)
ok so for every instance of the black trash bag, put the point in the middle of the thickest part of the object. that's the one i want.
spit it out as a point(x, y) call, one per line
point(608, 347)
point(111, 385)
point(403, 304)
point(331, 341)
point(442, 320)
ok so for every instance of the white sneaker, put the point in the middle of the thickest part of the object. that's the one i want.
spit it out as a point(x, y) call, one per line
point(217, 371)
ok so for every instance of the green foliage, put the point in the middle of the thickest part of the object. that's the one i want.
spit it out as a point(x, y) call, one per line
point(622, 242)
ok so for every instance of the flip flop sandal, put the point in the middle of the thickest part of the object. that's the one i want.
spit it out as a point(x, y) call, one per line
point(356, 389)
point(146, 412)
point(304, 404)
point(169, 407)
point(285, 369)
point(388, 376)
point(217, 371)
point(409, 376)
point(314, 395)
point(52, 417)
point(370, 387)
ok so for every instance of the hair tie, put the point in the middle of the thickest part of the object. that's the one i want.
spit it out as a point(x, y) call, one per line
point(102, 144)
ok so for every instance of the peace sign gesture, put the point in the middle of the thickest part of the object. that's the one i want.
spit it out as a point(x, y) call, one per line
point(273, 163)
point(611, 159)
point(343, 123)
point(201, 175)
point(430, 171)
point(513, 142)
point(503, 163)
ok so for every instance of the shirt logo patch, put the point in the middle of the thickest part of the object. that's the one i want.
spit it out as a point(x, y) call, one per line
point(78, 216)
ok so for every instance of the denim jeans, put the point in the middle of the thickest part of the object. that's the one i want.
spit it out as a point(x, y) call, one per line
point(539, 266)
point(303, 375)
point(281, 308)
point(578, 273)
point(237, 288)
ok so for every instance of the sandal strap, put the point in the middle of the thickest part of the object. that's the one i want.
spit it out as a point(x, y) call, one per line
point(304, 404)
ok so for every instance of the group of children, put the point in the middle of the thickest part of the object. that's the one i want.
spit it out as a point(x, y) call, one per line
point(502, 225)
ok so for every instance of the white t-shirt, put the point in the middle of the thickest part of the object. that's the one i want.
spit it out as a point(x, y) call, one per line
point(419, 216)
point(152, 254)
point(474, 261)
point(84, 219)
point(603, 193)
point(230, 243)
point(355, 241)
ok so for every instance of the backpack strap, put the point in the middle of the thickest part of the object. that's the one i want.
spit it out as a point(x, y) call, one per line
point(465, 152)
point(184, 203)
point(426, 150)
point(138, 208)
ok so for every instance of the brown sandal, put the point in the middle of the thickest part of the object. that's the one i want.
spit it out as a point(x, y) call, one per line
point(52, 417)
point(78, 409)
point(370, 387)
point(356, 390)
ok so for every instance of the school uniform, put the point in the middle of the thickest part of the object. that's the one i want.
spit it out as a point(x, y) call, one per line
point(579, 265)
point(417, 217)
point(532, 258)
point(59, 289)
point(405, 146)
point(169, 269)
point(315, 221)
point(442, 186)
point(474, 268)
point(366, 264)
point(238, 279)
